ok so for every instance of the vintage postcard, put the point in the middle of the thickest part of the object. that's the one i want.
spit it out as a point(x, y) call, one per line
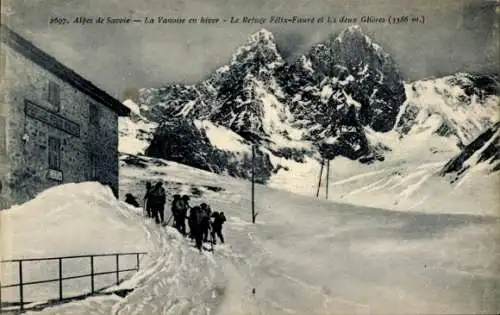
point(249, 157)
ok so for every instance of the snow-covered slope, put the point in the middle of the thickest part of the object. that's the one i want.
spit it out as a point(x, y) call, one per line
point(459, 107)
point(303, 256)
point(136, 132)
point(482, 154)
point(134, 108)
point(223, 138)
point(399, 185)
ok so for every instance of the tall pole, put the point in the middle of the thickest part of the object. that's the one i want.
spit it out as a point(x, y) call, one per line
point(253, 184)
point(320, 175)
point(327, 176)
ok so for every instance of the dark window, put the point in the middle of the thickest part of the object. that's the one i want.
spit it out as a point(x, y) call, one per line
point(3, 136)
point(54, 94)
point(54, 153)
point(94, 114)
point(94, 160)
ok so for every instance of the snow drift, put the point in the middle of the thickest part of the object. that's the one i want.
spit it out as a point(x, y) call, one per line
point(68, 220)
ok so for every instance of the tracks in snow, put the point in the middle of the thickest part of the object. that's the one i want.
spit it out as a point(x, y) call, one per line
point(177, 279)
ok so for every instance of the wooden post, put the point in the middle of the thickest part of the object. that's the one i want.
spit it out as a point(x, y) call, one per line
point(327, 176)
point(117, 269)
point(253, 184)
point(320, 175)
point(21, 293)
point(60, 280)
point(92, 288)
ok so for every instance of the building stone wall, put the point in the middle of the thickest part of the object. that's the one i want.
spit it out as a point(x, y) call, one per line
point(4, 157)
point(28, 137)
point(4, 111)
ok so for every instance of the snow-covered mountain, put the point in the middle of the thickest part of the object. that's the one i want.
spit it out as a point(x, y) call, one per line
point(336, 90)
point(346, 72)
point(234, 96)
point(459, 106)
point(344, 99)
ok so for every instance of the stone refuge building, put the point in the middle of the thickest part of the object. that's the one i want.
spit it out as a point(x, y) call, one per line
point(55, 126)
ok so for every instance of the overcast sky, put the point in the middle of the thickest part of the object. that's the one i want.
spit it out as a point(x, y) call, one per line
point(457, 35)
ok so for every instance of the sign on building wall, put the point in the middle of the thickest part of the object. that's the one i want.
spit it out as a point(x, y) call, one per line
point(55, 175)
point(51, 119)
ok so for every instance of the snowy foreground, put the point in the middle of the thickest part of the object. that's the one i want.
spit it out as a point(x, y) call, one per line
point(304, 256)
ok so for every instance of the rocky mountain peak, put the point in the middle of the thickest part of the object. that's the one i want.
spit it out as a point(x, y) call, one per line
point(351, 49)
point(260, 48)
point(341, 85)
point(351, 31)
point(263, 36)
point(357, 67)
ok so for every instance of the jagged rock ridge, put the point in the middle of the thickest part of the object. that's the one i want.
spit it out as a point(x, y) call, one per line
point(484, 149)
point(341, 85)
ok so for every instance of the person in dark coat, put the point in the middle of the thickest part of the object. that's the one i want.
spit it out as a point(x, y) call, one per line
point(179, 211)
point(158, 198)
point(176, 205)
point(183, 214)
point(147, 205)
point(197, 223)
point(192, 222)
point(218, 220)
point(205, 223)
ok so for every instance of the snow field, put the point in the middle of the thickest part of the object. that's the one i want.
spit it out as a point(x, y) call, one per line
point(303, 255)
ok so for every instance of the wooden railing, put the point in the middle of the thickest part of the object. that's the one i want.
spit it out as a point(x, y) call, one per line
point(21, 284)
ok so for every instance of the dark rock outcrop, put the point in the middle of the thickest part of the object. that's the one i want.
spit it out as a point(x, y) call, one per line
point(179, 140)
point(487, 145)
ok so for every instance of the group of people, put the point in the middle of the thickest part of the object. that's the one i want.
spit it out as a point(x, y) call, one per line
point(202, 222)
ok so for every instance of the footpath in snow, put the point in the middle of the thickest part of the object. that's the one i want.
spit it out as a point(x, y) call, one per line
point(303, 256)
